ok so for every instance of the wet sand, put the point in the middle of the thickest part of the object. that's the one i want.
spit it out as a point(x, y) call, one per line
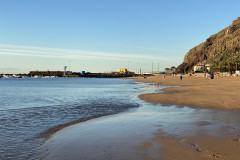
point(150, 132)
point(199, 147)
point(218, 93)
point(221, 93)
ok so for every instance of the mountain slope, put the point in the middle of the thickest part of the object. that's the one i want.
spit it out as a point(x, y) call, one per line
point(221, 51)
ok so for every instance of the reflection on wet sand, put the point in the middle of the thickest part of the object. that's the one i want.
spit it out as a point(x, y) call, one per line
point(150, 132)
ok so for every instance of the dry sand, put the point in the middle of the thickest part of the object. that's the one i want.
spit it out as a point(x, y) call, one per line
point(218, 93)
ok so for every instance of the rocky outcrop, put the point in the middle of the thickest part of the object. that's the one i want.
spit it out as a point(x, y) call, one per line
point(221, 50)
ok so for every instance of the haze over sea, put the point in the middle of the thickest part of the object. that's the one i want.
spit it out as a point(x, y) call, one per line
point(31, 109)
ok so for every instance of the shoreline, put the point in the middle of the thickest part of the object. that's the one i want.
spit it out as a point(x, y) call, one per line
point(220, 93)
point(51, 131)
point(151, 131)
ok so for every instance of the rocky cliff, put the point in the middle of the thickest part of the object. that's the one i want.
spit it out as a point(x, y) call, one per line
point(221, 51)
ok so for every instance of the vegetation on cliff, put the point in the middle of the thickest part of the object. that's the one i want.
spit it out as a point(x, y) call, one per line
point(221, 51)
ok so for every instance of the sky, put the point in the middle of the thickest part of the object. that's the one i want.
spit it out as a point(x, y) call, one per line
point(104, 35)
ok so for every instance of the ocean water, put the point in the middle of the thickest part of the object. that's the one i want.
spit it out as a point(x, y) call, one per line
point(31, 110)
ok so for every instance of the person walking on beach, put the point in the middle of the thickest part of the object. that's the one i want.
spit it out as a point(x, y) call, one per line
point(181, 78)
point(212, 76)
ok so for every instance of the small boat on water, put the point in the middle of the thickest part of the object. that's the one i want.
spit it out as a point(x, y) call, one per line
point(10, 76)
point(16, 76)
point(36, 76)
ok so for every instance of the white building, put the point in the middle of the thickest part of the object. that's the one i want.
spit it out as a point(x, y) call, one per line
point(201, 67)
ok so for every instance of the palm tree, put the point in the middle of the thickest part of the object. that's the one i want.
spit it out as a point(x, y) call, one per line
point(173, 69)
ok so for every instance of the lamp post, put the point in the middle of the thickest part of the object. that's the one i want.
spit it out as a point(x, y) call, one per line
point(152, 67)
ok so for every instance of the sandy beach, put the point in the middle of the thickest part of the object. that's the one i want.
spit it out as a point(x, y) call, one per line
point(218, 93)
point(208, 129)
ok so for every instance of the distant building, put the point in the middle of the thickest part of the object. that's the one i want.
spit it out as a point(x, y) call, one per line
point(83, 72)
point(131, 73)
point(122, 71)
point(198, 67)
point(46, 73)
point(201, 67)
point(65, 70)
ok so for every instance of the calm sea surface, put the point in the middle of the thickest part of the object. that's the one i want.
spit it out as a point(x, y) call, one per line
point(32, 109)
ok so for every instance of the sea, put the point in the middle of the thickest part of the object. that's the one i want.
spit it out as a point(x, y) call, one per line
point(32, 109)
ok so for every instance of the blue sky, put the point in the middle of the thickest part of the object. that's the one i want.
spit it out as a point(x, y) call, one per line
point(103, 35)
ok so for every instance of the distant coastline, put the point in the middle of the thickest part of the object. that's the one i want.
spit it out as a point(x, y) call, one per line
point(74, 74)
point(54, 74)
